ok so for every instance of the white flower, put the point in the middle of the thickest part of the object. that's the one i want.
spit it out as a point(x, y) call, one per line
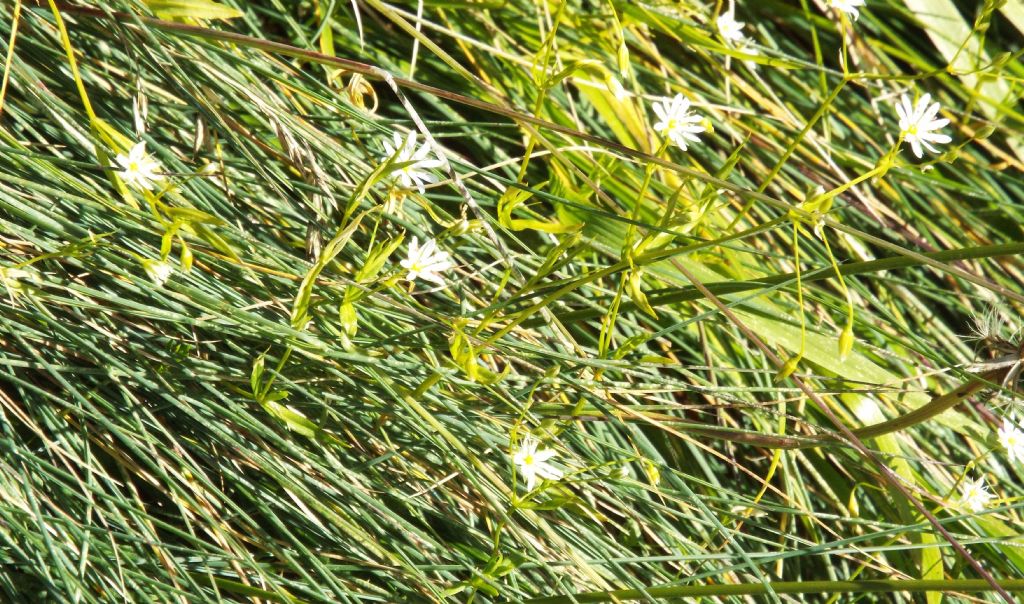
point(414, 173)
point(426, 262)
point(1011, 437)
point(974, 495)
point(533, 463)
point(918, 123)
point(847, 6)
point(138, 169)
point(731, 31)
point(729, 28)
point(158, 270)
point(677, 122)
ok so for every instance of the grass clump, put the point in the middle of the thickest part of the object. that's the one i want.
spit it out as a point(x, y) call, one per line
point(510, 302)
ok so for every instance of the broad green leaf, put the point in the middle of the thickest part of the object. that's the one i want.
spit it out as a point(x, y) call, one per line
point(622, 115)
point(191, 9)
point(295, 420)
point(256, 376)
point(868, 412)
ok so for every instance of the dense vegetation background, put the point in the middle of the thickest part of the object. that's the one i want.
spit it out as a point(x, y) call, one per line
point(225, 389)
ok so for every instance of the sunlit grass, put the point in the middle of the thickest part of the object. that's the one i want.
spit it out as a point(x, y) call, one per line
point(750, 345)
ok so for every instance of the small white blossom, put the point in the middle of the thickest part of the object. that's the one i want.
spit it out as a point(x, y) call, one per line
point(158, 270)
point(729, 28)
point(731, 31)
point(533, 463)
point(847, 6)
point(1011, 437)
point(918, 123)
point(676, 121)
point(974, 495)
point(138, 169)
point(414, 174)
point(426, 261)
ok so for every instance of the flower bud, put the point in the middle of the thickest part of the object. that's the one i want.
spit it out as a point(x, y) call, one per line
point(788, 368)
point(846, 341)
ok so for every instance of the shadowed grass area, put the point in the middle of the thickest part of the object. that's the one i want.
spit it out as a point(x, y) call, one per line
point(769, 365)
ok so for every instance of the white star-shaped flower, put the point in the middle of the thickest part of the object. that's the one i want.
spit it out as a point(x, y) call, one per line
point(426, 261)
point(847, 6)
point(918, 123)
point(138, 169)
point(414, 174)
point(1011, 437)
point(731, 31)
point(533, 463)
point(158, 270)
point(676, 121)
point(729, 28)
point(974, 495)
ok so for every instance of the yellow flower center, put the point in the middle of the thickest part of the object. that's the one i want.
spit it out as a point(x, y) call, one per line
point(133, 166)
point(528, 460)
